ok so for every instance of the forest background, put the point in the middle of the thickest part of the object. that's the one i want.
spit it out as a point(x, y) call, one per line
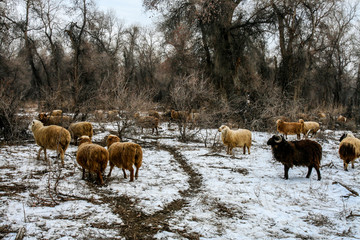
point(243, 62)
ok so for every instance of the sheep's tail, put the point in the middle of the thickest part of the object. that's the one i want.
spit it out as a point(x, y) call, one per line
point(138, 156)
point(347, 151)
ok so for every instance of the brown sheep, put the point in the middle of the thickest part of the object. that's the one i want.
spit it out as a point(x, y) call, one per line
point(296, 153)
point(290, 128)
point(349, 149)
point(341, 119)
point(92, 157)
point(79, 129)
point(56, 112)
point(154, 113)
point(147, 122)
point(124, 155)
point(51, 137)
point(113, 115)
point(54, 120)
point(181, 116)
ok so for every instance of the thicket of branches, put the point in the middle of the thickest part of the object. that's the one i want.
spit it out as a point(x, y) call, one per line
point(257, 59)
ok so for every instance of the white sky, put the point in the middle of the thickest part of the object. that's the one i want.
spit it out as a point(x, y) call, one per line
point(130, 11)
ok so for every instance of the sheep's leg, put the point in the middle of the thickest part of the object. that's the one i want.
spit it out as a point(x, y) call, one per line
point(45, 154)
point(83, 175)
point(38, 155)
point(286, 169)
point(136, 173)
point(318, 173)
point(131, 174)
point(352, 163)
point(244, 149)
point(62, 153)
point(124, 173)
point(157, 131)
point(309, 172)
point(111, 168)
point(100, 178)
point(248, 147)
point(345, 166)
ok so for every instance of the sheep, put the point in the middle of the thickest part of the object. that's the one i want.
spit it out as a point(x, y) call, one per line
point(124, 155)
point(56, 112)
point(113, 115)
point(349, 149)
point(79, 129)
point(181, 116)
point(54, 120)
point(92, 157)
point(290, 128)
point(154, 113)
point(309, 127)
point(341, 119)
point(99, 115)
point(296, 153)
point(235, 138)
point(51, 137)
point(147, 122)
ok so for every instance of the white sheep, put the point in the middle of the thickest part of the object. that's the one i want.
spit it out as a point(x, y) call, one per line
point(235, 138)
point(310, 127)
point(51, 137)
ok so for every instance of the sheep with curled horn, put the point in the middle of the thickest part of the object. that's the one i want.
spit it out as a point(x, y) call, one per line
point(349, 149)
point(296, 153)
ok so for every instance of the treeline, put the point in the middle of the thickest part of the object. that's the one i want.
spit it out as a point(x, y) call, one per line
point(254, 60)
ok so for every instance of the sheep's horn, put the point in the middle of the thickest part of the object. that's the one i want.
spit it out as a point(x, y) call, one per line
point(277, 139)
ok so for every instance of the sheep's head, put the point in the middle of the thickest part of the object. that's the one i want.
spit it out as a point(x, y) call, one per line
point(275, 140)
point(35, 125)
point(345, 135)
point(223, 127)
point(279, 121)
point(111, 139)
point(42, 116)
point(84, 139)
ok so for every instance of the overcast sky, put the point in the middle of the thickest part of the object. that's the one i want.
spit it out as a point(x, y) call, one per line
point(130, 11)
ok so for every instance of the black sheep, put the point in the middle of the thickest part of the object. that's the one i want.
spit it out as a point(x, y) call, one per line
point(296, 153)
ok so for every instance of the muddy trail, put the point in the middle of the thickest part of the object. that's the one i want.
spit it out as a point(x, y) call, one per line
point(138, 225)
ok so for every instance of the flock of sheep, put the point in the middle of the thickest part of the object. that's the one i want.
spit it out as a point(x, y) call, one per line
point(94, 158)
point(294, 153)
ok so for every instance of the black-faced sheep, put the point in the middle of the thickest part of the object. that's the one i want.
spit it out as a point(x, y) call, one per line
point(310, 127)
point(235, 138)
point(79, 129)
point(296, 153)
point(349, 149)
point(147, 122)
point(124, 155)
point(92, 157)
point(51, 137)
point(290, 128)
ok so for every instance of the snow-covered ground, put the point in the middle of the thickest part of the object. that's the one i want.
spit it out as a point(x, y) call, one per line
point(184, 191)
